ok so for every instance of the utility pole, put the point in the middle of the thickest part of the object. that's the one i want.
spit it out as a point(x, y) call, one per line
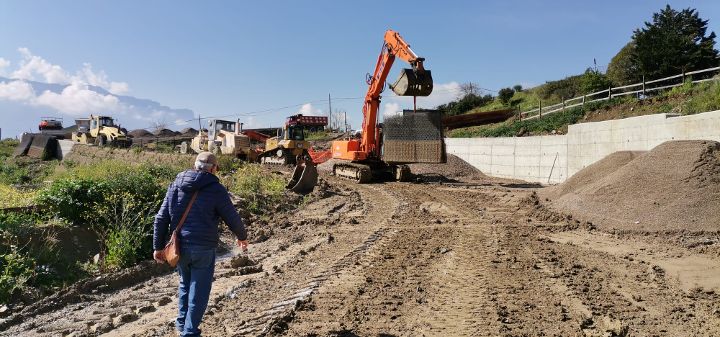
point(329, 112)
point(199, 125)
point(346, 128)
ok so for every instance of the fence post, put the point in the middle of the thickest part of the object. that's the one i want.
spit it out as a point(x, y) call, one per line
point(563, 101)
point(540, 110)
point(583, 102)
point(643, 87)
point(609, 93)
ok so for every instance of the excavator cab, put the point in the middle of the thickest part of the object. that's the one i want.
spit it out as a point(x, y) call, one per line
point(413, 82)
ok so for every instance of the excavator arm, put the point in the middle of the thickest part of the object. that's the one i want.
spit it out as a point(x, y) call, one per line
point(412, 82)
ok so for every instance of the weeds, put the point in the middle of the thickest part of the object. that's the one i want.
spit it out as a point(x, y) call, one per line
point(260, 190)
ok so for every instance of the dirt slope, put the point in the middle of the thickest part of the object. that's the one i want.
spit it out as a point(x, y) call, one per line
point(674, 187)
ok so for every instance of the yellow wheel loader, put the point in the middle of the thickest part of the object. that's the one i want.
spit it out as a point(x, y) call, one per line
point(101, 131)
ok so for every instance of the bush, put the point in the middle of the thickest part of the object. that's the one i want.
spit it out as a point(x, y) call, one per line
point(17, 271)
point(593, 81)
point(464, 104)
point(505, 94)
point(259, 189)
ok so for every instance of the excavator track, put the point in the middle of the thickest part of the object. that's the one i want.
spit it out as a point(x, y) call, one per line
point(361, 173)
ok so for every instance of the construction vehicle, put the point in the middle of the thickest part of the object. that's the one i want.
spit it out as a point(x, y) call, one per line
point(223, 137)
point(288, 144)
point(365, 159)
point(101, 131)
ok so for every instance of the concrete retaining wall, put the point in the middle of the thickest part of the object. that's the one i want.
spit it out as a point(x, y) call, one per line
point(552, 159)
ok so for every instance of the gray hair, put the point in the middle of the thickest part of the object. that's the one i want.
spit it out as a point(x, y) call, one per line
point(203, 166)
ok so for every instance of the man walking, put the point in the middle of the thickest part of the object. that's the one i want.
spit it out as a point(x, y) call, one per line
point(198, 236)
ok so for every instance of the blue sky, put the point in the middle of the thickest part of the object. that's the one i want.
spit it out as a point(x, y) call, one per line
point(234, 57)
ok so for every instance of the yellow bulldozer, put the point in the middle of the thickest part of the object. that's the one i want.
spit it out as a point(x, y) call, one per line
point(101, 131)
point(222, 137)
point(287, 145)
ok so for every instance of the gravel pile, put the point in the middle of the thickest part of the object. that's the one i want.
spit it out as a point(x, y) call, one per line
point(675, 187)
point(454, 169)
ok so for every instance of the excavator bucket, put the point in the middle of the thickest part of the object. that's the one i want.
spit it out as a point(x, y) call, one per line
point(412, 83)
point(304, 178)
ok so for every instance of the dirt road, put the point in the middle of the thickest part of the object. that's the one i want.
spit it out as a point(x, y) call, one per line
point(405, 259)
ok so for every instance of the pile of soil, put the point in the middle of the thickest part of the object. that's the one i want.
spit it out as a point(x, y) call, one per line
point(454, 169)
point(165, 133)
point(140, 133)
point(188, 132)
point(673, 188)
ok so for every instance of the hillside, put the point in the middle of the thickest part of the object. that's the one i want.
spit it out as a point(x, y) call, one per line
point(685, 100)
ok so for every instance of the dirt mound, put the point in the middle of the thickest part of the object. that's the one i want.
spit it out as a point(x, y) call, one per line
point(583, 180)
point(165, 133)
point(140, 133)
point(188, 132)
point(455, 169)
point(674, 187)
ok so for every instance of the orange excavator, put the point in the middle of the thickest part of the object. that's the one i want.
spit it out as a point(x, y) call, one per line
point(362, 159)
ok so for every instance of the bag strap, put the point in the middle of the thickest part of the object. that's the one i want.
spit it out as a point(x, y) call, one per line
point(187, 210)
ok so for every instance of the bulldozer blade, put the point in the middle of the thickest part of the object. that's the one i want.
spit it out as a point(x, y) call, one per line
point(304, 178)
point(412, 83)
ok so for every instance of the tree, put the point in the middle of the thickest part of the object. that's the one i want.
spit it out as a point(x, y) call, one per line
point(593, 80)
point(673, 43)
point(517, 88)
point(622, 68)
point(464, 104)
point(469, 88)
point(505, 94)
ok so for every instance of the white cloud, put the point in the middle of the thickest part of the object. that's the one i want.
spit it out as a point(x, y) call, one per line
point(308, 109)
point(77, 99)
point(442, 93)
point(390, 109)
point(32, 65)
point(100, 79)
point(3, 64)
point(16, 91)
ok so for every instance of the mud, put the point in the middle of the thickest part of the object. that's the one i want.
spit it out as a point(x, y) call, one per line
point(423, 259)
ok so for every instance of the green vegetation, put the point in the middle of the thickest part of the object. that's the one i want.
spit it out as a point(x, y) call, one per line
point(259, 190)
point(513, 128)
point(674, 42)
point(686, 99)
point(319, 135)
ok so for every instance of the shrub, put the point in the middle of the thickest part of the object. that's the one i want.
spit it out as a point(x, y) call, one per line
point(593, 81)
point(505, 94)
point(259, 189)
point(16, 272)
point(12, 197)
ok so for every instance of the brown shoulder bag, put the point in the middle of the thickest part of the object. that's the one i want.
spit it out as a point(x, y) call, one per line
point(171, 252)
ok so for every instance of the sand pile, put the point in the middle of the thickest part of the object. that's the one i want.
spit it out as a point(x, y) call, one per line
point(674, 187)
point(140, 133)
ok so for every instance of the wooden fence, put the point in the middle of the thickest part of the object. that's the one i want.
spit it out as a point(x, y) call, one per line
point(639, 89)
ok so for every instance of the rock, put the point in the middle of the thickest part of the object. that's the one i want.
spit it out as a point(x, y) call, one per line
point(125, 318)
point(241, 260)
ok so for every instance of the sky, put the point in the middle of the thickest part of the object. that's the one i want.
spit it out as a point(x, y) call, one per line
point(263, 60)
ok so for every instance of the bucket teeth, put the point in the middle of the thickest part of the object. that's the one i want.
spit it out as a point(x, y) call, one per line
point(412, 83)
